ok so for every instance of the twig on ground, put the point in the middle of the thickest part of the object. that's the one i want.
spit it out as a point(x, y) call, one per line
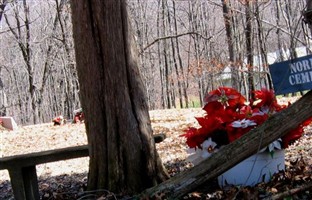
point(290, 192)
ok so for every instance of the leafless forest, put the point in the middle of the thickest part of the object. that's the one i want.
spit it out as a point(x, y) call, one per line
point(185, 47)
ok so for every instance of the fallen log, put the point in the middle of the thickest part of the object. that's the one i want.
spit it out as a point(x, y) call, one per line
point(228, 156)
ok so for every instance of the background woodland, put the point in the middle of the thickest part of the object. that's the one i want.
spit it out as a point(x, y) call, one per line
point(186, 48)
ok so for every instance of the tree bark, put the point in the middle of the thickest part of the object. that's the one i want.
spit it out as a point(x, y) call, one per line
point(228, 21)
point(123, 157)
point(3, 99)
point(236, 151)
point(165, 52)
point(263, 50)
point(308, 15)
point(2, 7)
point(249, 50)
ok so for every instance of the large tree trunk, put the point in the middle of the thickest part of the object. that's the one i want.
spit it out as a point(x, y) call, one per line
point(237, 151)
point(308, 15)
point(123, 156)
point(2, 7)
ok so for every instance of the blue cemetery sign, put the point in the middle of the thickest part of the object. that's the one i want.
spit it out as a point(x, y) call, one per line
point(292, 75)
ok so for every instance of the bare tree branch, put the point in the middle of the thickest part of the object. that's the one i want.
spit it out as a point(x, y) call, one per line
point(264, 21)
point(176, 36)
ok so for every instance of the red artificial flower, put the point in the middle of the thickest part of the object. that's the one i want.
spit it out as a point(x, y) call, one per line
point(209, 123)
point(307, 122)
point(292, 136)
point(228, 117)
point(59, 120)
point(213, 108)
point(266, 98)
point(246, 111)
point(194, 137)
point(235, 133)
point(295, 134)
point(226, 96)
point(259, 118)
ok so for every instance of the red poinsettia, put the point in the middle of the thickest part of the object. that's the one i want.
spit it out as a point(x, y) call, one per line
point(195, 137)
point(295, 134)
point(226, 96)
point(228, 117)
point(266, 100)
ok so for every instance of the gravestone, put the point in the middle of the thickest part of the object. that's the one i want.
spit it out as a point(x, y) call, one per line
point(8, 123)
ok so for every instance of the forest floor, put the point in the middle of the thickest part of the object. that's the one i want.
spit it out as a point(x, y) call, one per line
point(68, 179)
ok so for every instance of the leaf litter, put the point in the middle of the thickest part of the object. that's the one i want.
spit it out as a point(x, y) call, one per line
point(68, 179)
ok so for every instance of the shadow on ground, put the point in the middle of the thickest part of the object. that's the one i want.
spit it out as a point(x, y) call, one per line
point(56, 187)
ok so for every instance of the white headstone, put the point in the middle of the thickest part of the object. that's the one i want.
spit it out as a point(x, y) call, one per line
point(9, 123)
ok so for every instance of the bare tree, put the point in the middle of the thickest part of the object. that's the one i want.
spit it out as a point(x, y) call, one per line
point(262, 38)
point(123, 156)
point(141, 15)
point(3, 98)
point(185, 49)
point(249, 48)
point(43, 41)
point(23, 39)
point(228, 21)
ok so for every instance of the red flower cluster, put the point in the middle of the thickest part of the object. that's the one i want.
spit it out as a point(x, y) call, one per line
point(59, 120)
point(228, 117)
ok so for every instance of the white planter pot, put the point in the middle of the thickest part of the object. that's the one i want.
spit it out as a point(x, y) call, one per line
point(255, 169)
